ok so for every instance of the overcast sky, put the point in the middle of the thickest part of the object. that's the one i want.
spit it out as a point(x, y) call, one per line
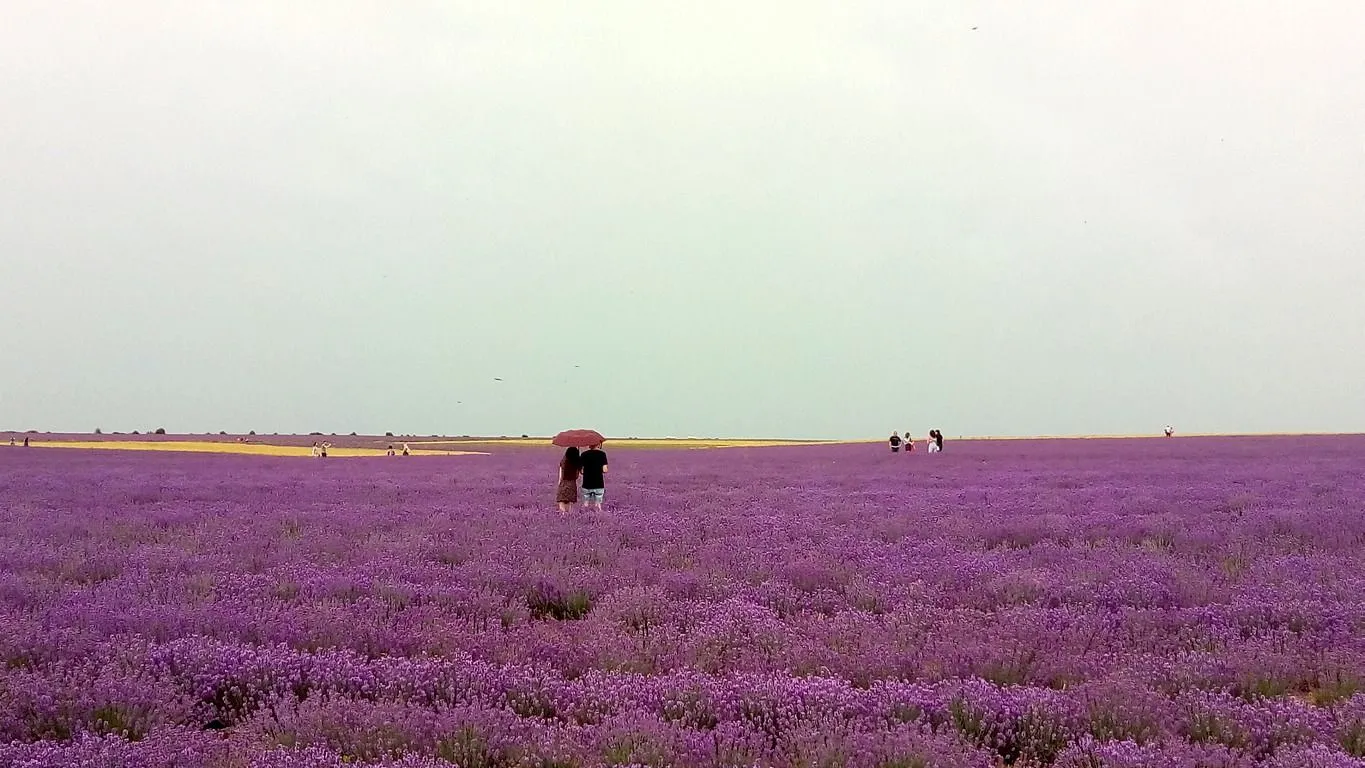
point(786, 218)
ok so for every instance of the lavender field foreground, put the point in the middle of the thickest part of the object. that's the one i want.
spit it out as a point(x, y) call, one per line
point(1081, 604)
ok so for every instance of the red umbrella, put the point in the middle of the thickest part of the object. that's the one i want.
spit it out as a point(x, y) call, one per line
point(578, 438)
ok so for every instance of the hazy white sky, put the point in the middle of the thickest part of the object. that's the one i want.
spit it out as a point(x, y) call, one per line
point(823, 219)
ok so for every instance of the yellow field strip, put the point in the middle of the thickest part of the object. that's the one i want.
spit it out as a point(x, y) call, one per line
point(626, 443)
point(245, 449)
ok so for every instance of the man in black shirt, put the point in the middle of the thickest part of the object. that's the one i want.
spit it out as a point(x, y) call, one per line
point(594, 477)
point(895, 442)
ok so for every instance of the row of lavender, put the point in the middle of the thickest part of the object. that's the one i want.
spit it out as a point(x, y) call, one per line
point(1078, 604)
point(375, 708)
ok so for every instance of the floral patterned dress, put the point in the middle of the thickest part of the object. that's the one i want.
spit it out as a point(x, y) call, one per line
point(567, 491)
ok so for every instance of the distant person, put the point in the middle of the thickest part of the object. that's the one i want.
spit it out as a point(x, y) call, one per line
point(317, 449)
point(325, 446)
point(594, 477)
point(895, 442)
point(406, 451)
point(909, 442)
point(11, 442)
point(391, 452)
point(938, 439)
point(570, 468)
point(935, 443)
point(1170, 430)
point(25, 442)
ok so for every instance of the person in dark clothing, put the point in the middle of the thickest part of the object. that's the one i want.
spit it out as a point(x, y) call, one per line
point(570, 467)
point(594, 477)
point(896, 442)
point(26, 442)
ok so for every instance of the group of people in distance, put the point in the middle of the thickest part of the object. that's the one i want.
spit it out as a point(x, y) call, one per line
point(12, 443)
point(590, 467)
point(934, 444)
point(320, 450)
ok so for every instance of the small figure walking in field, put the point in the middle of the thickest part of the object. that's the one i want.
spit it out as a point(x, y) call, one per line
point(406, 451)
point(317, 450)
point(25, 442)
point(325, 446)
point(570, 467)
point(895, 442)
point(594, 462)
point(390, 453)
point(909, 443)
point(11, 442)
point(1170, 430)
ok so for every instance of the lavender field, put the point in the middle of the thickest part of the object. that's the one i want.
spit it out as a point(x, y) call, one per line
point(1083, 604)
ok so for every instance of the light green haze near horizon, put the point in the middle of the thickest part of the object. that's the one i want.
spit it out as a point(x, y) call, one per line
point(782, 219)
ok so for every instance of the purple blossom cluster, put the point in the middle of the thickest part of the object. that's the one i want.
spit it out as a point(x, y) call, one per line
point(1188, 603)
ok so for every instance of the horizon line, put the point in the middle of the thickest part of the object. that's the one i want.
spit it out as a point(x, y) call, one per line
point(805, 440)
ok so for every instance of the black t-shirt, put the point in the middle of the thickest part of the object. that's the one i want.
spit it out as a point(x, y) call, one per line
point(593, 462)
point(895, 441)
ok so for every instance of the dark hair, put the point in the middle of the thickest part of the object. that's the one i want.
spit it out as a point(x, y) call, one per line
point(571, 459)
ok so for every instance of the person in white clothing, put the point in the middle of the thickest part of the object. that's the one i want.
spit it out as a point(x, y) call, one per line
point(317, 450)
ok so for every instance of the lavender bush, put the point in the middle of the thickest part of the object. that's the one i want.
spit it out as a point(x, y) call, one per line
point(1191, 603)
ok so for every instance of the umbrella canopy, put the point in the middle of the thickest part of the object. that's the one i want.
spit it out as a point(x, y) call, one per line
point(578, 438)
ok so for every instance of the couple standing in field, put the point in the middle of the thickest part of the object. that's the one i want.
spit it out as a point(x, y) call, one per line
point(591, 466)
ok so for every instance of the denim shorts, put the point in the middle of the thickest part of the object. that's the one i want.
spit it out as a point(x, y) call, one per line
point(594, 494)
